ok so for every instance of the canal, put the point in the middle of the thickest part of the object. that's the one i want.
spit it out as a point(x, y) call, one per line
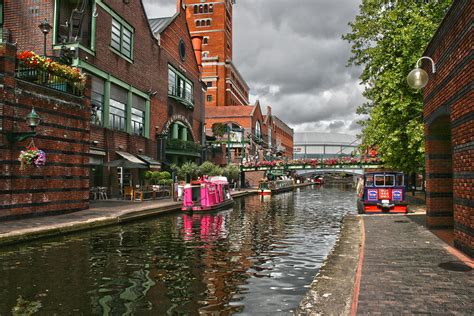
point(256, 258)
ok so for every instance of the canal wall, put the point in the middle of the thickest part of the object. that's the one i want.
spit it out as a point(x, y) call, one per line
point(333, 289)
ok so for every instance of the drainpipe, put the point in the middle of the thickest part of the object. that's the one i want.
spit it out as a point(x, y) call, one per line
point(197, 46)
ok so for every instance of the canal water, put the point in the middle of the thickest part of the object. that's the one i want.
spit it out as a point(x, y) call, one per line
point(257, 258)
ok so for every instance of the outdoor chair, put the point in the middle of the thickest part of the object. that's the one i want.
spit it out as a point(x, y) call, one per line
point(128, 192)
point(102, 191)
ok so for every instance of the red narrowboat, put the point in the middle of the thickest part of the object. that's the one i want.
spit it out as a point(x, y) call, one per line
point(382, 192)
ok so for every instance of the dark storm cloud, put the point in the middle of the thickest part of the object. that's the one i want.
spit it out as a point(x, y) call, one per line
point(293, 58)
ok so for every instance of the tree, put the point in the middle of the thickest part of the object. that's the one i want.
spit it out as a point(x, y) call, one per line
point(232, 172)
point(219, 129)
point(387, 38)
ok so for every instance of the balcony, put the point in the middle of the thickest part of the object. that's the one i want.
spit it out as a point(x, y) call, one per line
point(185, 98)
point(50, 73)
point(183, 148)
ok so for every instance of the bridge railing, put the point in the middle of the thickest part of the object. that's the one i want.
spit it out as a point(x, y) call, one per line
point(299, 164)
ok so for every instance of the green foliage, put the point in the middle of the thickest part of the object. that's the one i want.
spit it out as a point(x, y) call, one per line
point(210, 169)
point(187, 171)
point(165, 175)
point(219, 129)
point(232, 172)
point(157, 177)
point(387, 38)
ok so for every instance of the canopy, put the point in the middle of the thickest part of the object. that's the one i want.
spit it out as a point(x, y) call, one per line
point(152, 163)
point(124, 163)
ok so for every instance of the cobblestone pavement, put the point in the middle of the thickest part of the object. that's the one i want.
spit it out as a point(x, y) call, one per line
point(407, 270)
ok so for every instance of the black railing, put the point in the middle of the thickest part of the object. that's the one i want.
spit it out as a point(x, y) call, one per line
point(184, 146)
point(49, 80)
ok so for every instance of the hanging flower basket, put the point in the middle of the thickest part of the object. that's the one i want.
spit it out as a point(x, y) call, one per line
point(32, 156)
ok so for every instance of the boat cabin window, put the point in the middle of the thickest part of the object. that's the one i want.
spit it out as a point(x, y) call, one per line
point(196, 193)
point(369, 180)
point(226, 192)
point(264, 185)
point(400, 180)
point(384, 180)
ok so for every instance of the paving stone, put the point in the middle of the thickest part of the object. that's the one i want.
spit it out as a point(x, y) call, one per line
point(401, 265)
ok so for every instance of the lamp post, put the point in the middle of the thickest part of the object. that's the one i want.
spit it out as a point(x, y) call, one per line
point(33, 120)
point(45, 27)
point(418, 78)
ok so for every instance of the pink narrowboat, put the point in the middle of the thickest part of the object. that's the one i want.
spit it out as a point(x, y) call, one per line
point(206, 194)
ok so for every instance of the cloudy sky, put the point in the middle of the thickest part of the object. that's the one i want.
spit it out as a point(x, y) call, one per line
point(291, 54)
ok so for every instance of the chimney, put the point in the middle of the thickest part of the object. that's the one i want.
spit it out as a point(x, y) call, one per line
point(269, 111)
point(197, 46)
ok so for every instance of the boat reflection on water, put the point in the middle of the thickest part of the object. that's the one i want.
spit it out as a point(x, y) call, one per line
point(209, 226)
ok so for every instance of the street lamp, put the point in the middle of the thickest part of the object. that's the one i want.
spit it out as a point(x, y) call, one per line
point(418, 78)
point(33, 120)
point(45, 27)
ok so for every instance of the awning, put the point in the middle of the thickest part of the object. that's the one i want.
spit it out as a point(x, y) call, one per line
point(130, 157)
point(152, 163)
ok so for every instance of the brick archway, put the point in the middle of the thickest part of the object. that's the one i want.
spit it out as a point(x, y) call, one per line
point(439, 174)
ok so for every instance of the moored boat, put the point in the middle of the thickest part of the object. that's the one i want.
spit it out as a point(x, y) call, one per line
point(268, 187)
point(382, 192)
point(206, 194)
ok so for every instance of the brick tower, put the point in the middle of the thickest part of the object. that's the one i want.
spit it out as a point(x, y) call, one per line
point(212, 21)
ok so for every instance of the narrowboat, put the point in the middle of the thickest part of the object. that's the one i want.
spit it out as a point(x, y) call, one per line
point(206, 194)
point(382, 192)
point(269, 187)
point(318, 180)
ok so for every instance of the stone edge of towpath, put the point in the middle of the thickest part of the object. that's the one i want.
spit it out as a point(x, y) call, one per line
point(332, 289)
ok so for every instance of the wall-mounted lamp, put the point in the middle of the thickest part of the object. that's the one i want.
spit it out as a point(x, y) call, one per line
point(33, 120)
point(151, 93)
point(418, 78)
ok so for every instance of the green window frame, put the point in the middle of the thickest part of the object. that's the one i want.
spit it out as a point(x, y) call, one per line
point(180, 87)
point(121, 38)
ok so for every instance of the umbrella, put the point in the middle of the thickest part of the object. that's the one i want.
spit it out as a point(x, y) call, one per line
point(124, 163)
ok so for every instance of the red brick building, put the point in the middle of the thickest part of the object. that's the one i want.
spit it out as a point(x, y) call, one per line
point(449, 127)
point(283, 138)
point(212, 20)
point(62, 185)
point(146, 94)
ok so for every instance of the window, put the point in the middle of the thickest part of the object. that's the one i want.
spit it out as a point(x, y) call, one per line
point(198, 23)
point(67, 29)
point(122, 38)
point(180, 87)
point(117, 109)
point(258, 130)
point(400, 181)
point(97, 98)
point(205, 54)
point(208, 22)
point(384, 180)
point(211, 8)
point(138, 115)
point(206, 8)
point(209, 98)
point(1, 21)
point(196, 9)
point(205, 40)
point(200, 8)
point(209, 84)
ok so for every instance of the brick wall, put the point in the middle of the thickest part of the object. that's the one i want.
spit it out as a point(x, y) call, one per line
point(449, 127)
point(62, 185)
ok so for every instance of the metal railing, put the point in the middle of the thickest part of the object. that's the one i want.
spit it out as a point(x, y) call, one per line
point(44, 78)
point(184, 146)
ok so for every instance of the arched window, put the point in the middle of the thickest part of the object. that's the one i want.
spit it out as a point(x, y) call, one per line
point(205, 54)
point(205, 40)
point(198, 23)
point(258, 130)
point(196, 9)
point(208, 22)
point(206, 8)
point(211, 8)
point(200, 8)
